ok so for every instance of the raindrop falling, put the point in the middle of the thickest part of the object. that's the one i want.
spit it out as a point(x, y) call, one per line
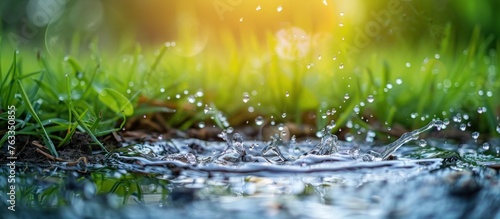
point(486, 146)
point(207, 109)
point(191, 99)
point(201, 125)
point(283, 115)
point(341, 24)
point(370, 99)
point(287, 94)
point(279, 9)
point(475, 135)
point(341, 66)
point(246, 97)
point(259, 120)
point(334, 58)
point(346, 96)
point(498, 129)
point(399, 81)
point(422, 143)
point(463, 127)
point(349, 137)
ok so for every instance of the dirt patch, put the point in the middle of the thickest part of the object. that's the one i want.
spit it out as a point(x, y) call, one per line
point(31, 150)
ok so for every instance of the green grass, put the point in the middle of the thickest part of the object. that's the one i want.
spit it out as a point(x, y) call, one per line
point(57, 94)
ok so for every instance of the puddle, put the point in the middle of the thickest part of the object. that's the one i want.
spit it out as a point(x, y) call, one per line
point(246, 178)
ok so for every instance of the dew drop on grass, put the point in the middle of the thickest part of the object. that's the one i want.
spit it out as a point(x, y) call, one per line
point(279, 9)
point(399, 81)
point(346, 96)
point(486, 146)
point(408, 65)
point(229, 129)
point(422, 143)
point(259, 120)
point(370, 99)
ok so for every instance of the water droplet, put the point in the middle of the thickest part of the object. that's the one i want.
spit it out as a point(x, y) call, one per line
point(241, 19)
point(370, 99)
point(330, 126)
point(279, 9)
point(229, 129)
point(341, 24)
point(346, 96)
point(144, 116)
point(325, 3)
point(201, 125)
point(283, 133)
point(399, 81)
point(481, 109)
point(191, 99)
point(287, 94)
point(162, 90)
point(463, 127)
point(438, 124)
point(283, 115)
point(475, 135)
point(422, 143)
point(319, 57)
point(281, 126)
point(246, 97)
point(207, 109)
point(251, 109)
point(408, 65)
point(486, 146)
point(341, 66)
point(334, 58)
point(341, 14)
point(498, 129)
point(349, 137)
point(258, 8)
point(259, 120)
point(437, 56)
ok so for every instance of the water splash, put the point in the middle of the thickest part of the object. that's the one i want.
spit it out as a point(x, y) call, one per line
point(405, 138)
point(328, 145)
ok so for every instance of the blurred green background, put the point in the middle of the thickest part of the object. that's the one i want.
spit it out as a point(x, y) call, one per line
point(361, 65)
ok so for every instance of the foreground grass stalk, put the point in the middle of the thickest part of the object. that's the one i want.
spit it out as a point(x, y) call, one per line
point(46, 137)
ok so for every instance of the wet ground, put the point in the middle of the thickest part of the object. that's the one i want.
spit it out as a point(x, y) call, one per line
point(239, 178)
